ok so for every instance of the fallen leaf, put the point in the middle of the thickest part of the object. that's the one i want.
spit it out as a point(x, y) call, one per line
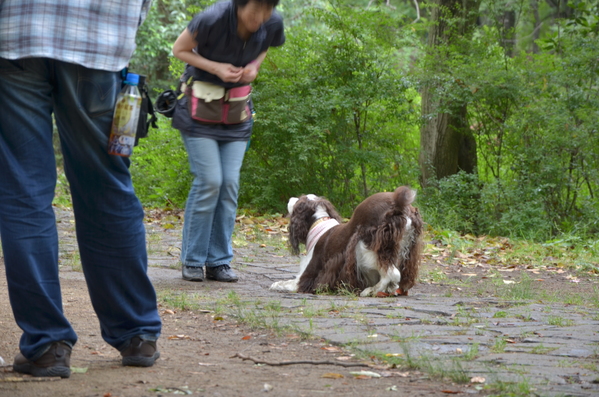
point(177, 337)
point(477, 379)
point(368, 374)
point(402, 374)
point(450, 392)
point(247, 337)
point(77, 370)
point(393, 355)
point(332, 375)
point(12, 379)
point(173, 390)
point(331, 348)
point(206, 364)
point(508, 282)
point(343, 358)
point(168, 311)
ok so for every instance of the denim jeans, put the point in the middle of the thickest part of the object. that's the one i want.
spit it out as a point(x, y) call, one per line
point(212, 201)
point(108, 215)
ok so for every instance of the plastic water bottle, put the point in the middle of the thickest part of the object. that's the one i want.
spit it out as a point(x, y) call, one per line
point(126, 117)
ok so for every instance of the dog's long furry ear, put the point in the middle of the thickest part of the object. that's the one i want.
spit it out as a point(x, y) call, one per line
point(301, 218)
point(299, 223)
point(330, 209)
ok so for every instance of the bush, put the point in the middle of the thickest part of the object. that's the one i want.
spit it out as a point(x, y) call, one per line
point(454, 203)
point(160, 169)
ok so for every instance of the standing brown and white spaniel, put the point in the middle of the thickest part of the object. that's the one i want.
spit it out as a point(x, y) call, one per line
point(377, 252)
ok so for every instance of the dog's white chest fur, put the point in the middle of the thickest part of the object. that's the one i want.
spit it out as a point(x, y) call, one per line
point(369, 268)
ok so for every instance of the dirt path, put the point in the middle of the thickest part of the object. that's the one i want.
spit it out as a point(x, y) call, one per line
point(460, 326)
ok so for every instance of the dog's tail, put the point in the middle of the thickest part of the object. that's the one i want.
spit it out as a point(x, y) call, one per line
point(403, 197)
point(396, 240)
point(411, 246)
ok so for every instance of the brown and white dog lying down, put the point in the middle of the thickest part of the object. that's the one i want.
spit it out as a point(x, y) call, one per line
point(377, 252)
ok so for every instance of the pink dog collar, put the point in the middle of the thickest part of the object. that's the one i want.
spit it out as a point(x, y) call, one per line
point(317, 230)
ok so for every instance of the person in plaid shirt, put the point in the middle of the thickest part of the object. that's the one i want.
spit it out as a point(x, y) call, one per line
point(63, 58)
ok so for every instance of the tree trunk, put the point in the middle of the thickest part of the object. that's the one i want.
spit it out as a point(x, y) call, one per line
point(534, 5)
point(446, 141)
point(509, 32)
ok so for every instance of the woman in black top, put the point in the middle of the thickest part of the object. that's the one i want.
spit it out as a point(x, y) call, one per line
point(223, 47)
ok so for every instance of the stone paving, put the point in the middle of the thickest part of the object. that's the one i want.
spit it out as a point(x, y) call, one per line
point(554, 348)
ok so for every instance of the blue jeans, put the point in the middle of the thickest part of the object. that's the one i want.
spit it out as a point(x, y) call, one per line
point(212, 201)
point(108, 215)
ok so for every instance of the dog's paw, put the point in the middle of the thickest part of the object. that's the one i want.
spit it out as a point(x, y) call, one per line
point(284, 286)
point(367, 292)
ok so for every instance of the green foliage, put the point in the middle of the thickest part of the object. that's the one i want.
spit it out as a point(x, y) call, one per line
point(164, 23)
point(535, 121)
point(338, 113)
point(160, 169)
point(332, 114)
point(156, 36)
point(455, 203)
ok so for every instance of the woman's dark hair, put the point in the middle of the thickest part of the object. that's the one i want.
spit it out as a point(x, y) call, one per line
point(243, 3)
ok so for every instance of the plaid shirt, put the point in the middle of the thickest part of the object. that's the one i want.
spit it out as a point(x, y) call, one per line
point(98, 34)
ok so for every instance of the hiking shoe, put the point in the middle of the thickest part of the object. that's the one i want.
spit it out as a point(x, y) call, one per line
point(140, 353)
point(56, 361)
point(193, 273)
point(221, 273)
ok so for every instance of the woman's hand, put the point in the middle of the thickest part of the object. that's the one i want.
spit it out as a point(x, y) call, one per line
point(250, 72)
point(228, 73)
point(184, 50)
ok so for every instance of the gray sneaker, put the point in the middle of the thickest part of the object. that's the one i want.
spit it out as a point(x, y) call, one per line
point(193, 273)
